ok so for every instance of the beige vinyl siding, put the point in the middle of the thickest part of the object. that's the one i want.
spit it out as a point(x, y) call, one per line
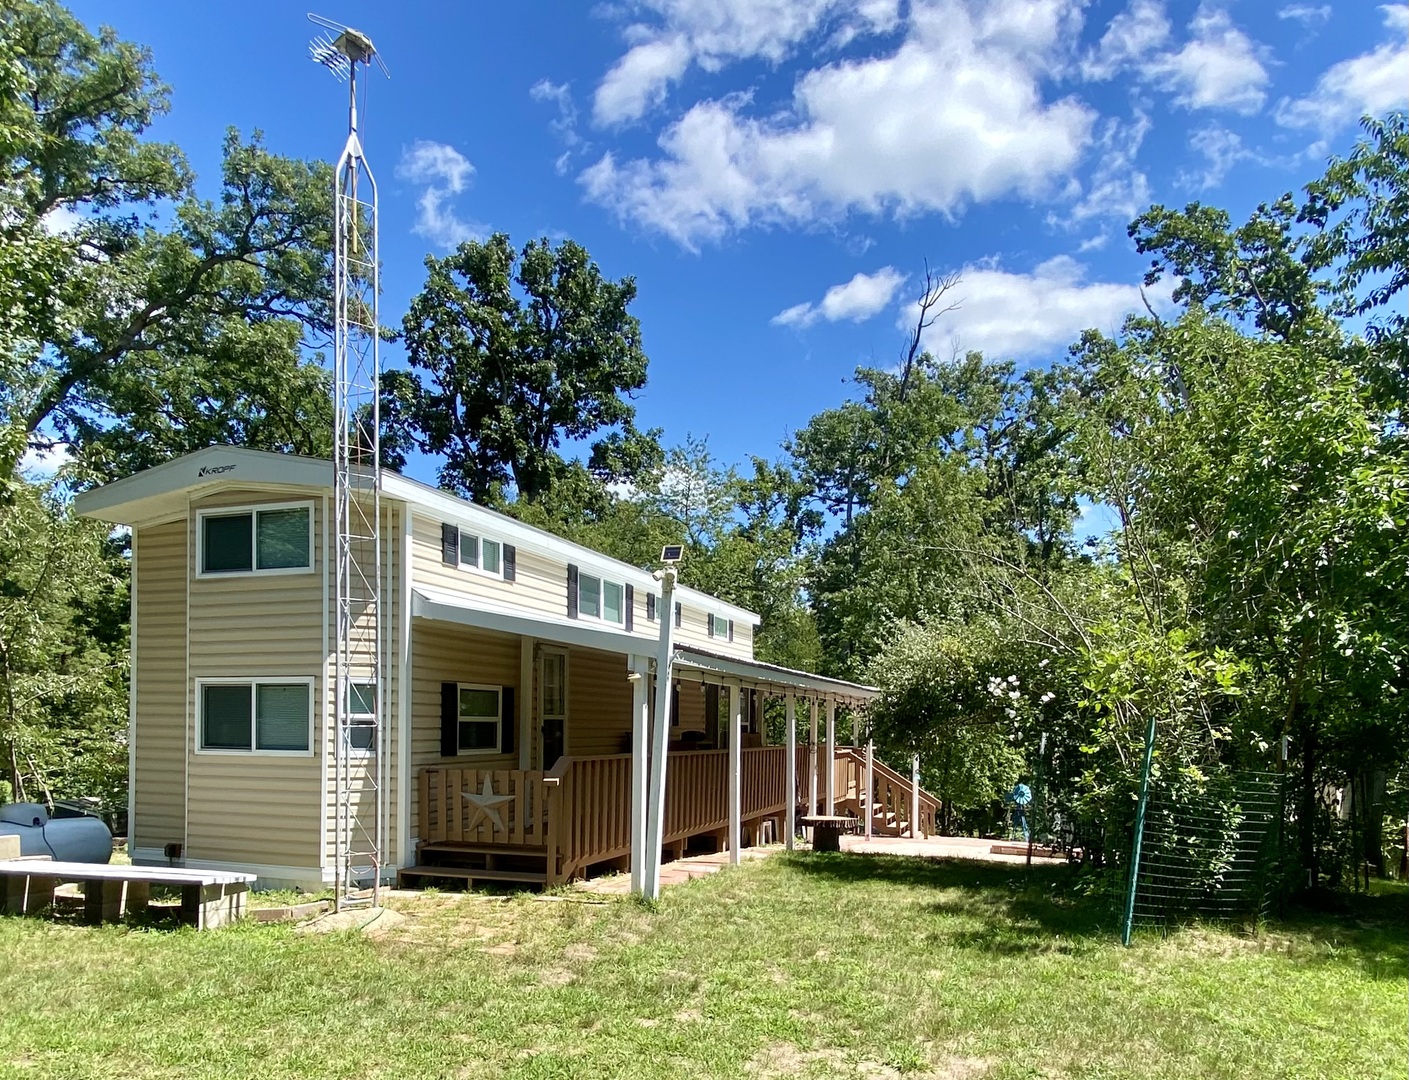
point(255, 808)
point(442, 653)
point(541, 590)
point(599, 703)
point(692, 710)
point(159, 655)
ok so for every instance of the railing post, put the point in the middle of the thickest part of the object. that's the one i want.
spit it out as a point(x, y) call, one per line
point(554, 789)
point(790, 798)
point(736, 771)
point(640, 721)
point(915, 797)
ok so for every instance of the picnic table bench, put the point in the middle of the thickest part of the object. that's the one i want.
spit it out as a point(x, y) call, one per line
point(209, 898)
point(827, 829)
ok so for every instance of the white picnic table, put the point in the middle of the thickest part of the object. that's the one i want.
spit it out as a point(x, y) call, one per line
point(209, 898)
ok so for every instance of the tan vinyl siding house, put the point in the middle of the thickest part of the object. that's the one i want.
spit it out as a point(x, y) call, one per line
point(508, 659)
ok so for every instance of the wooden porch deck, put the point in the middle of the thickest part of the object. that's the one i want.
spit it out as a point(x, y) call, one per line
point(533, 827)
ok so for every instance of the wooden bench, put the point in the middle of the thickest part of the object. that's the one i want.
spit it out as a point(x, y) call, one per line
point(827, 830)
point(209, 898)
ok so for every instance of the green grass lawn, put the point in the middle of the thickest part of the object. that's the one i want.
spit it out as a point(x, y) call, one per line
point(790, 966)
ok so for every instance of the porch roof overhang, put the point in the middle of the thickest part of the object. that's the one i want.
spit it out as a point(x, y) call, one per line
point(689, 659)
point(448, 607)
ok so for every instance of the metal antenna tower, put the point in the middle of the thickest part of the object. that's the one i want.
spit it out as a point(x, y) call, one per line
point(362, 744)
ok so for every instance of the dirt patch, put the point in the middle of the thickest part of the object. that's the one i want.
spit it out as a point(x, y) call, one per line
point(580, 952)
point(556, 977)
point(780, 1060)
point(507, 948)
point(688, 1016)
point(374, 922)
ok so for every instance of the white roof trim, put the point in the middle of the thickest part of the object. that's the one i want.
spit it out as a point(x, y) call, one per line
point(688, 656)
point(226, 466)
point(450, 607)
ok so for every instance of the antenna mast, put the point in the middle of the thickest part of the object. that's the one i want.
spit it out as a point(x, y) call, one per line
point(362, 744)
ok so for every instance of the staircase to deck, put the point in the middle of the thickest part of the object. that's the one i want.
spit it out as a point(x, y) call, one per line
point(890, 804)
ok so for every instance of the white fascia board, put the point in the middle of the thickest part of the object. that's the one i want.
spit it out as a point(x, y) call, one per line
point(442, 506)
point(754, 672)
point(448, 607)
point(138, 497)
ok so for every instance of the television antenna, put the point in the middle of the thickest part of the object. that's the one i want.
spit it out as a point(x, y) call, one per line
point(362, 744)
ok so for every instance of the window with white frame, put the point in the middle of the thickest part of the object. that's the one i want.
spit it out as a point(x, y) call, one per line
point(598, 598)
point(362, 717)
point(264, 539)
point(255, 716)
point(720, 627)
point(481, 553)
point(480, 718)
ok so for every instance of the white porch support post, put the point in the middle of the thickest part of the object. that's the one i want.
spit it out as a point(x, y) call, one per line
point(660, 740)
point(915, 797)
point(813, 758)
point(869, 806)
point(831, 756)
point(736, 772)
point(790, 800)
point(640, 723)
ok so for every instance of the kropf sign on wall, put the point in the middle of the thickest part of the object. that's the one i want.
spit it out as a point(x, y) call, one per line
point(213, 470)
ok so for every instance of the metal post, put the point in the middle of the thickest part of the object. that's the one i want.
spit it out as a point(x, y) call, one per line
point(736, 772)
point(813, 758)
point(915, 797)
point(790, 799)
point(640, 724)
point(831, 756)
point(660, 739)
point(870, 804)
point(1128, 922)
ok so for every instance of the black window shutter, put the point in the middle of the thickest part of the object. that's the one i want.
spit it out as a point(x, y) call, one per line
point(711, 696)
point(679, 615)
point(731, 629)
point(630, 609)
point(711, 626)
point(449, 719)
point(650, 607)
point(508, 720)
point(511, 562)
point(572, 591)
point(450, 544)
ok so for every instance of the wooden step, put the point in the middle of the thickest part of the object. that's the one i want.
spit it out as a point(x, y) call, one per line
point(452, 847)
point(470, 875)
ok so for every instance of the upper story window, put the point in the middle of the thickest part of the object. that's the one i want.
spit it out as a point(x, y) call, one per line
point(720, 627)
point(598, 598)
point(275, 539)
point(460, 547)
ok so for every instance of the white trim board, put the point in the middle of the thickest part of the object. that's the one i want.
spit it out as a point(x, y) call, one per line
point(447, 607)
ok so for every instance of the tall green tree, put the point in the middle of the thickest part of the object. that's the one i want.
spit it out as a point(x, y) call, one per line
point(512, 353)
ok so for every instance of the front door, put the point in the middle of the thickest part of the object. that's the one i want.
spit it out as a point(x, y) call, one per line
point(552, 705)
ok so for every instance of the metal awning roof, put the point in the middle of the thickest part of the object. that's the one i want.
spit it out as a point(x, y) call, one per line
point(768, 676)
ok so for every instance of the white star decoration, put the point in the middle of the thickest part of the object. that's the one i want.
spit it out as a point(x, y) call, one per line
point(486, 805)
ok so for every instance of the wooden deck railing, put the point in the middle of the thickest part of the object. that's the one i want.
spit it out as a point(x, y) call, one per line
point(891, 802)
point(519, 821)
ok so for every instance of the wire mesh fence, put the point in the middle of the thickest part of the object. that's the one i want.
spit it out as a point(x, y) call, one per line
point(1215, 856)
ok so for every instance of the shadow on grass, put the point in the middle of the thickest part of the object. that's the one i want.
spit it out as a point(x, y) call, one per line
point(1002, 908)
point(1372, 927)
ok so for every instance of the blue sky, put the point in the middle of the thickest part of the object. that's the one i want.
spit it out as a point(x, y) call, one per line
point(775, 173)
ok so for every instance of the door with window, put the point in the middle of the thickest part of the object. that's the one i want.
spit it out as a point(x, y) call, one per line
point(552, 705)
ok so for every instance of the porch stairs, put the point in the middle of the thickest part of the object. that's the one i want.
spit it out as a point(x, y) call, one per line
point(889, 804)
point(470, 865)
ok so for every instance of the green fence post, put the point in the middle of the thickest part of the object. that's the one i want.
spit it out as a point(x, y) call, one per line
point(1129, 920)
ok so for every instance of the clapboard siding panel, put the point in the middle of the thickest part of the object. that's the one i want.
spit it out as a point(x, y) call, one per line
point(599, 703)
point(256, 808)
point(159, 783)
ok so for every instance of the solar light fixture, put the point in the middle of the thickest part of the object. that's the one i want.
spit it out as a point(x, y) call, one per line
point(672, 554)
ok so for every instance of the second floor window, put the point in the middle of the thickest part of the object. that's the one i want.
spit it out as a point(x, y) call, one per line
point(270, 539)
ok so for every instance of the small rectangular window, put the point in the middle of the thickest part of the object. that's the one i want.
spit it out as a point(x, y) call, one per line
point(282, 538)
point(589, 596)
point(281, 716)
point(469, 549)
point(362, 716)
point(225, 717)
point(611, 601)
point(262, 715)
point(269, 539)
point(491, 557)
point(479, 719)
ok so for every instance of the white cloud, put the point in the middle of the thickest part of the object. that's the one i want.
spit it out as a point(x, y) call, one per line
point(60, 220)
point(858, 299)
point(1220, 149)
point(1218, 67)
point(445, 173)
point(564, 126)
point(955, 115)
point(1374, 82)
point(1117, 188)
point(1305, 14)
point(44, 463)
point(715, 34)
point(1031, 316)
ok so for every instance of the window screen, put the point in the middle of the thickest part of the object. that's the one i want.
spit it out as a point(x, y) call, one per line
point(469, 549)
point(491, 557)
point(589, 596)
point(611, 601)
point(281, 716)
point(225, 717)
point(226, 545)
point(283, 538)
